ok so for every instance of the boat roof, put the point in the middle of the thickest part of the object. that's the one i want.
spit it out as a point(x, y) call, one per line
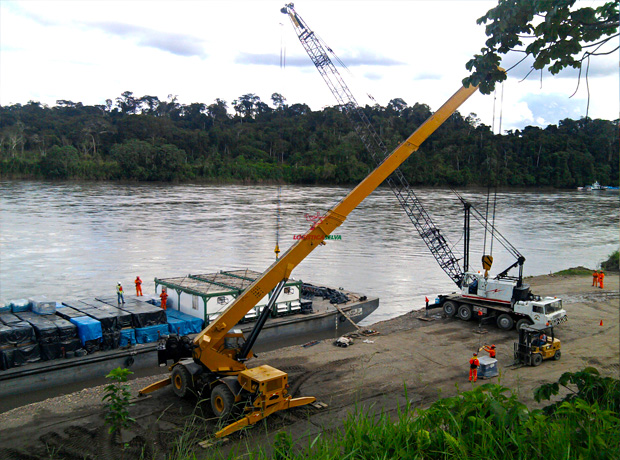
point(223, 282)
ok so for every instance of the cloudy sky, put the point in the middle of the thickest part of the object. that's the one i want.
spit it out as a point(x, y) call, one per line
point(200, 50)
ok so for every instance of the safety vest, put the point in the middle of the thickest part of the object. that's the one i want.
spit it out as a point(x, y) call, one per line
point(119, 289)
point(138, 281)
point(474, 363)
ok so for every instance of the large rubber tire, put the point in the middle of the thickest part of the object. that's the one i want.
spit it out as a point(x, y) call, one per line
point(449, 308)
point(524, 322)
point(181, 381)
point(465, 312)
point(505, 322)
point(536, 359)
point(558, 355)
point(222, 400)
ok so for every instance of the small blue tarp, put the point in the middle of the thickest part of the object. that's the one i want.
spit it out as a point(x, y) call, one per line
point(128, 337)
point(151, 334)
point(187, 324)
point(88, 328)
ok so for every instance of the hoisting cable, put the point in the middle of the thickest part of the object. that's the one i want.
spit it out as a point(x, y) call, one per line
point(501, 109)
point(277, 249)
point(493, 121)
point(493, 221)
point(501, 112)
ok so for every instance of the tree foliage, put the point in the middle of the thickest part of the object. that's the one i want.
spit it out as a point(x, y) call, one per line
point(145, 139)
point(554, 33)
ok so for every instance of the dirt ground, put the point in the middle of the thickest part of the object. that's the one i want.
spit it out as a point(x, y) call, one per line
point(428, 358)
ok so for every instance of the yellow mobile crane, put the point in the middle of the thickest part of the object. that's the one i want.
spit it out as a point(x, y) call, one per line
point(214, 361)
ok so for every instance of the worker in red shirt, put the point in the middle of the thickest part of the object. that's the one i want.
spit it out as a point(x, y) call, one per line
point(490, 350)
point(601, 277)
point(163, 296)
point(473, 367)
point(138, 282)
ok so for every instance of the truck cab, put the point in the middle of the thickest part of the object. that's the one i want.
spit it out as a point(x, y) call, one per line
point(543, 312)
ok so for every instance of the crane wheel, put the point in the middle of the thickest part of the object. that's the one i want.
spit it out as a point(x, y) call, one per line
point(536, 359)
point(449, 308)
point(222, 401)
point(523, 322)
point(181, 381)
point(505, 322)
point(464, 312)
point(558, 355)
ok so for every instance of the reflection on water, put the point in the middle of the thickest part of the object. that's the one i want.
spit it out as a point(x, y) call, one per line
point(80, 239)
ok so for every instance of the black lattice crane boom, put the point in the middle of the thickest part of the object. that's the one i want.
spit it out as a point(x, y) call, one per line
point(430, 234)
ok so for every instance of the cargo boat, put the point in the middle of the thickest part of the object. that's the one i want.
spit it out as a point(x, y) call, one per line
point(310, 313)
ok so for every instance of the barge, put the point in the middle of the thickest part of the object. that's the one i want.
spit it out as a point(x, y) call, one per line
point(303, 313)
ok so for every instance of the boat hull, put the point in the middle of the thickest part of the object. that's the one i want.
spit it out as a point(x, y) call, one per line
point(324, 322)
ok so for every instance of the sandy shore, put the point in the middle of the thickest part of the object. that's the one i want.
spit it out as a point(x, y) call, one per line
point(428, 358)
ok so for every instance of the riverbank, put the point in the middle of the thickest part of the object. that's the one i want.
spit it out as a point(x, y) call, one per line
point(429, 358)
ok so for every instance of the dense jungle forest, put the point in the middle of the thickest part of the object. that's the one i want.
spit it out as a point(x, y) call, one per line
point(146, 139)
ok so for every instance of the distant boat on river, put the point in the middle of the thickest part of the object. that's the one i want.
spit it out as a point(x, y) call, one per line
point(597, 187)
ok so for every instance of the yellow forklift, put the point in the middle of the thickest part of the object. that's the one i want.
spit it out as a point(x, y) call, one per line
point(536, 344)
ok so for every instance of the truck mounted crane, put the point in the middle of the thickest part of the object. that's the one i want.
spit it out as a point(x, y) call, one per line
point(505, 299)
point(214, 362)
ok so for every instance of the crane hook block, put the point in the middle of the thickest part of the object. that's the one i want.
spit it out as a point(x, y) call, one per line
point(487, 261)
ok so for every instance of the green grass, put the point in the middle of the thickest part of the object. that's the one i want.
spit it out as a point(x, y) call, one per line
point(488, 422)
point(575, 271)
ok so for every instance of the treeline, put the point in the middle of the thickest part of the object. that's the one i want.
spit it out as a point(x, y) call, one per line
point(146, 139)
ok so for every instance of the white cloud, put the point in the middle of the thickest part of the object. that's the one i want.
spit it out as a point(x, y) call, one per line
point(202, 50)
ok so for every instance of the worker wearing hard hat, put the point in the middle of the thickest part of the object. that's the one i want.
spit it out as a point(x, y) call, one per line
point(595, 279)
point(473, 367)
point(119, 293)
point(601, 277)
point(138, 282)
point(490, 350)
point(164, 297)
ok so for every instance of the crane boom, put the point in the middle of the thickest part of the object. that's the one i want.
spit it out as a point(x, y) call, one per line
point(212, 361)
point(428, 231)
point(209, 340)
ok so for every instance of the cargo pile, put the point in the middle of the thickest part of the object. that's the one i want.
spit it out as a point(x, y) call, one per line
point(335, 297)
point(37, 329)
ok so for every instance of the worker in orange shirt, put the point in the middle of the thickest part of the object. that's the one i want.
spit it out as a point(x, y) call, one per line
point(595, 279)
point(601, 277)
point(163, 296)
point(138, 282)
point(490, 350)
point(473, 367)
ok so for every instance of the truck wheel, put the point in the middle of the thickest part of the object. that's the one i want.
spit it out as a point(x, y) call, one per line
point(558, 355)
point(464, 312)
point(505, 322)
point(524, 322)
point(222, 400)
point(449, 308)
point(536, 359)
point(181, 381)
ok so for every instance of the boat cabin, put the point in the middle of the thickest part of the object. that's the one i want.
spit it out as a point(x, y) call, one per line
point(207, 296)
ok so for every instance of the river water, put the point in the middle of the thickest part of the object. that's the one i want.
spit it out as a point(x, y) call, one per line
point(67, 239)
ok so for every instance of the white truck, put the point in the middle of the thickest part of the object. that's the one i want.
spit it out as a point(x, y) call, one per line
point(503, 299)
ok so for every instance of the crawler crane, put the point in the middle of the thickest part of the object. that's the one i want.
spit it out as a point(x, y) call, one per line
point(504, 299)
